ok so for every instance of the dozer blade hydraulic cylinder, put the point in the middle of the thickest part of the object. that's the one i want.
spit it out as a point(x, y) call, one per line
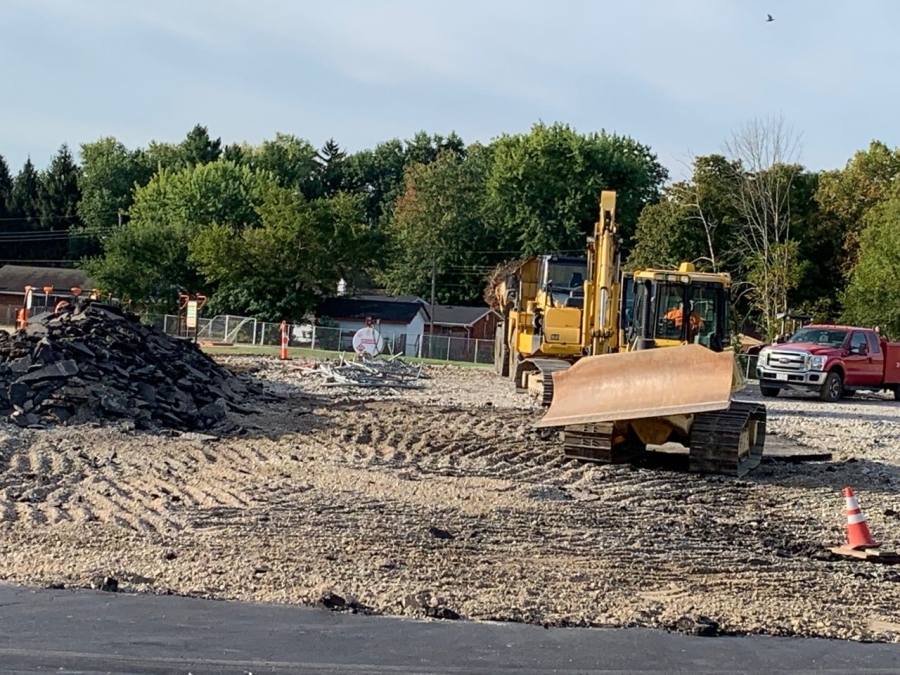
point(636, 385)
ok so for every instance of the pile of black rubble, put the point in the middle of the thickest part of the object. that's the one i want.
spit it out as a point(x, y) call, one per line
point(99, 363)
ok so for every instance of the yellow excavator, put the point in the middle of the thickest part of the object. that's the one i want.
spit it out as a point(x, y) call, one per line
point(625, 361)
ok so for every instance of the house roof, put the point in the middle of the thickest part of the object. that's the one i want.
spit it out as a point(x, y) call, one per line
point(357, 308)
point(391, 298)
point(451, 315)
point(14, 279)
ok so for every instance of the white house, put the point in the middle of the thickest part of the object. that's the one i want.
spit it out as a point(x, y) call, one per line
point(401, 323)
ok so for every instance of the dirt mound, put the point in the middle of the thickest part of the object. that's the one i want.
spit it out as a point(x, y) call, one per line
point(97, 362)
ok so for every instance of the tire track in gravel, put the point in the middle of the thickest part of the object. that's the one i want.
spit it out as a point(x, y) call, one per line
point(485, 443)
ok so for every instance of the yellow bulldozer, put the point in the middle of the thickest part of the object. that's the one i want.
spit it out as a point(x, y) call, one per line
point(626, 361)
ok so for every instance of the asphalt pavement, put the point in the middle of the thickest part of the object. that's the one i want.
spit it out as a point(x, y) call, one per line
point(81, 631)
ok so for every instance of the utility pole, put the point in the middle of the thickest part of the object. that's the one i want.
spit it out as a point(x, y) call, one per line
point(431, 311)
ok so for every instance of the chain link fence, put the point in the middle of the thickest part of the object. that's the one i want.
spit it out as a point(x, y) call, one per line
point(239, 330)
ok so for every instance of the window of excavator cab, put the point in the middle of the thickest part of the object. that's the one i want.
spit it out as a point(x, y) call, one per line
point(821, 336)
point(565, 275)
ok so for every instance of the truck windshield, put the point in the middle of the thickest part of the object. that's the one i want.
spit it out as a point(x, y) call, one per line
point(821, 336)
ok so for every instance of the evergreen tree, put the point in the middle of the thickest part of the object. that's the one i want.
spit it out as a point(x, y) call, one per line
point(59, 197)
point(25, 214)
point(6, 183)
point(199, 148)
point(331, 160)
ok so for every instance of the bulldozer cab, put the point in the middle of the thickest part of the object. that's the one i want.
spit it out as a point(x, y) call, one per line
point(683, 308)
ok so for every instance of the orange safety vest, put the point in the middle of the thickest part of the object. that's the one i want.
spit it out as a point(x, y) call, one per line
point(675, 315)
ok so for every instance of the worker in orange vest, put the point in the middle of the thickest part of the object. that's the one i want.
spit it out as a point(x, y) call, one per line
point(696, 323)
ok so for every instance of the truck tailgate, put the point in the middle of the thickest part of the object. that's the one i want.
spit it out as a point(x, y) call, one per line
point(892, 363)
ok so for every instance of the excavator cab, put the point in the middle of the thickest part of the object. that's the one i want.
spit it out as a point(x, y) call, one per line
point(562, 280)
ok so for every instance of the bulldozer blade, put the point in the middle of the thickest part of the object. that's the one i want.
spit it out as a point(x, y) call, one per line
point(640, 384)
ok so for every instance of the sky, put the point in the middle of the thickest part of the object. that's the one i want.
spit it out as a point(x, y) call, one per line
point(677, 75)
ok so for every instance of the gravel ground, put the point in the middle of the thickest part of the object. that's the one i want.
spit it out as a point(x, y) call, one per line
point(443, 502)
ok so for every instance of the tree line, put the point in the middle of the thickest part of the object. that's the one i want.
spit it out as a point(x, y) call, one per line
point(268, 229)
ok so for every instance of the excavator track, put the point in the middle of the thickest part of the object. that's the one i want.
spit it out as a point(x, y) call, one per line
point(546, 367)
point(728, 442)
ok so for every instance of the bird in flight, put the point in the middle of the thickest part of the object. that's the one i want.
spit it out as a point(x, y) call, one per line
point(770, 18)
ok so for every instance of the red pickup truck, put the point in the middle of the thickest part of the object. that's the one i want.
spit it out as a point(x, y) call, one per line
point(834, 361)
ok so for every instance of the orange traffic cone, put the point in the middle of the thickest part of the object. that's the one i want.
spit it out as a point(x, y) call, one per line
point(284, 341)
point(858, 535)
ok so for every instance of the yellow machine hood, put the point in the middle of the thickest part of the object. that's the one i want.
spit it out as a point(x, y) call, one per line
point(634, 385)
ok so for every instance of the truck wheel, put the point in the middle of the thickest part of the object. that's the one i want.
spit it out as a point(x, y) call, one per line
point(833, 388)
point(897, 393)
point(769, 392)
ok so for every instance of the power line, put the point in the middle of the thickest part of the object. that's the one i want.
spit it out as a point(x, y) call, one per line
point(38, 260)
point(48, 240)
point(52, 217)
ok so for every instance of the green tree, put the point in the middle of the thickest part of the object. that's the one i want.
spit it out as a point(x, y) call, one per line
point(819, 251)
point(695, 221)
point(872, 297)
point(307, 246)
point(331, 167)
point(199, 148)
point(234, 153)
point(764, 154)
point(378, 173)
point(544, 185)
point(59, 197)
point(291, 160)
point(6, 184)
point(147, 260)
point(665, 236)
point(846, 195)
point(24, 208)
point(7, 218)
point(440, 220)
point(110, 173)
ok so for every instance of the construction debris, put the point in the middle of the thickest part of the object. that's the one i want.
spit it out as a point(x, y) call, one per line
point(99, 363)
point(391, 372)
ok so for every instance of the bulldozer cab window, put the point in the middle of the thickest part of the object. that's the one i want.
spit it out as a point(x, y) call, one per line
point(708, 304)
point(705, 321)
point(670, 301)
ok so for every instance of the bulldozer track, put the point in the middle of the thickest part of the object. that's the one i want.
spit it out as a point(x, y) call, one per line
point(728, 442)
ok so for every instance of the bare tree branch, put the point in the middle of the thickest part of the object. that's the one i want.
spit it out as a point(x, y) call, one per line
point(766, 155)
